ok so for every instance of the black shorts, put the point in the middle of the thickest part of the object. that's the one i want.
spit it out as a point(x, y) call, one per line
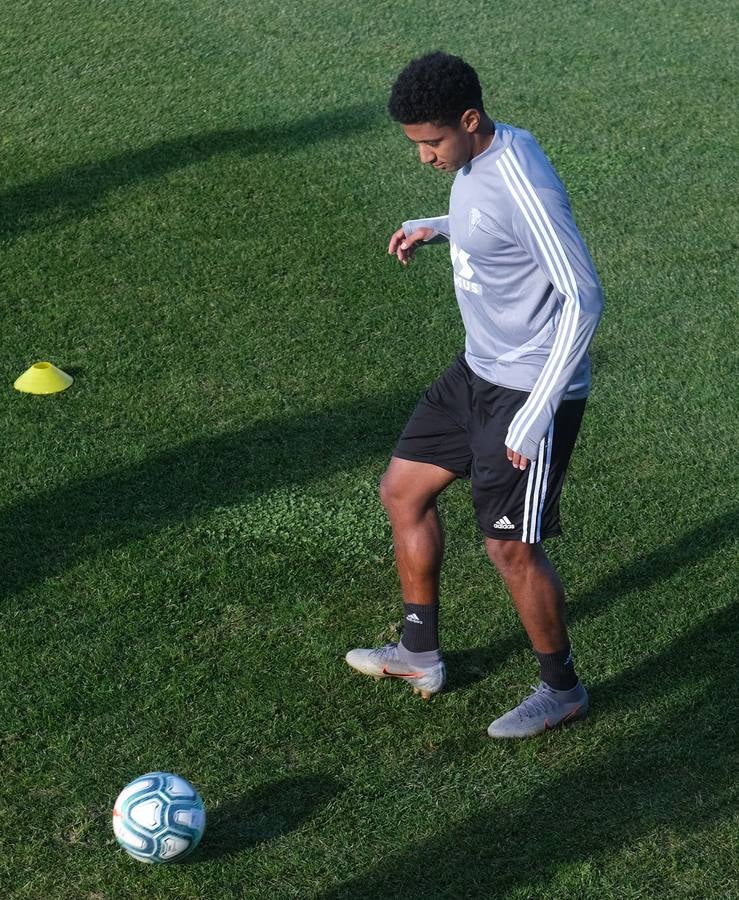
point(460, 424)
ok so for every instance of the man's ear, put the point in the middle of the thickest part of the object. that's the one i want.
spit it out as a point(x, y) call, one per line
point(470, 120)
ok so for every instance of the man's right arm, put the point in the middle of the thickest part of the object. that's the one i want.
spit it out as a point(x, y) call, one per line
point(429, 231)
point(439, 226)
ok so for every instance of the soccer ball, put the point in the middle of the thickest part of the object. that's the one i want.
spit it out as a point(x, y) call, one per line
point(159, 818)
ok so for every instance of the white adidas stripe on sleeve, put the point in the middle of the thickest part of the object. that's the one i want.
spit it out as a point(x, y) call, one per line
point(560, 272)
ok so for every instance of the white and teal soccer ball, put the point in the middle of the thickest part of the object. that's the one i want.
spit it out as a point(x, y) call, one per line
point(159, 818)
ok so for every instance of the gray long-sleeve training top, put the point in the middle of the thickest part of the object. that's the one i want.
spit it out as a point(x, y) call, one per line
point(527, 288)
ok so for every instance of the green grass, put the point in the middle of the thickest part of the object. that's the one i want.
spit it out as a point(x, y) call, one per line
point(196, 202)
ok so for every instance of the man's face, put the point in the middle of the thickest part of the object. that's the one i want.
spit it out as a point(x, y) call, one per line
point(445, 147)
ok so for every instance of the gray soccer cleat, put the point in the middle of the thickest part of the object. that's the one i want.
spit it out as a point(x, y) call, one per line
point(541, 711)
point(384, 662)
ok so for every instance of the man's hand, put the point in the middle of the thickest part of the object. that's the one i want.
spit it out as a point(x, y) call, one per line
point(405, 247)
point(518, 461)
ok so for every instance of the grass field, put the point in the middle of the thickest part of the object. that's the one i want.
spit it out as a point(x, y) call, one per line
point(196, 201)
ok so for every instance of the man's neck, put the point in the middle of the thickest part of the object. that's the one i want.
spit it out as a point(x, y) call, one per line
point(483, 137)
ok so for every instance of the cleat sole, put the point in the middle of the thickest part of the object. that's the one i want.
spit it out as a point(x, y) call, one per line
point(425, 695)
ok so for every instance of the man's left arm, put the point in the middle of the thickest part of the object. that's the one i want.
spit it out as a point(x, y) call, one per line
point(544, 226)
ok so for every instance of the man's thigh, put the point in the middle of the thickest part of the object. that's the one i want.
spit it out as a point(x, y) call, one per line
point(436, 432)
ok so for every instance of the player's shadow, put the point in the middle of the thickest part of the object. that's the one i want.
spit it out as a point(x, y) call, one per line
point(659, 768)
point(264, 814)
point(468, 666)
point(46, 534)
point(74, 191)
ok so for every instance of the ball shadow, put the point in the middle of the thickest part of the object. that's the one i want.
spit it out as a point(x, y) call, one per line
point(264, 814)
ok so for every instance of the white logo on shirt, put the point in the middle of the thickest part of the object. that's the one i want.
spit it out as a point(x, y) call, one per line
point(475, 219)
point(463, 271)
point(461, 262)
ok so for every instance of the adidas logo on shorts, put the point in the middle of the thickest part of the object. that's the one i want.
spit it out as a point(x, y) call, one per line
point(505, 522)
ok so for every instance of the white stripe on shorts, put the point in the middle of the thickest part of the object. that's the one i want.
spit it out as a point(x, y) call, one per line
point(536, 490)
point(533, 471)
point(534, 513)
point(545, 480)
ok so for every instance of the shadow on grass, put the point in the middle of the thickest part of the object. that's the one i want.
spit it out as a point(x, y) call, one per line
point(466, 667)
point(43, 536)
point(72, 192)
point(647, 774)
point(696, 545)
point(264, 814)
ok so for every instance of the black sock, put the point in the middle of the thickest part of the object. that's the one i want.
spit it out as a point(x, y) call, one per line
point(421, 627)
point(557, 669)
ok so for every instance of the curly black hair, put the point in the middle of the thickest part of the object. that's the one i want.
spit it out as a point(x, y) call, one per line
point(435, 88)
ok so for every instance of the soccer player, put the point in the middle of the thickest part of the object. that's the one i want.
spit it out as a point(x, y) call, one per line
point(507, 411)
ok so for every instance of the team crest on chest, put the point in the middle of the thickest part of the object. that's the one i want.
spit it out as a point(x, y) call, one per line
point(475, 218)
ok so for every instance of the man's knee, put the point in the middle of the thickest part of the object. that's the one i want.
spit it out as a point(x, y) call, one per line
point(391, 491)
point(411, 488)
point(510, 556)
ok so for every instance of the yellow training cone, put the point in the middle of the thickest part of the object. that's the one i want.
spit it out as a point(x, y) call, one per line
point(43, 378)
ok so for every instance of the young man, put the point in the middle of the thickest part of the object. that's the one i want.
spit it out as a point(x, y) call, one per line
point(506, 413)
